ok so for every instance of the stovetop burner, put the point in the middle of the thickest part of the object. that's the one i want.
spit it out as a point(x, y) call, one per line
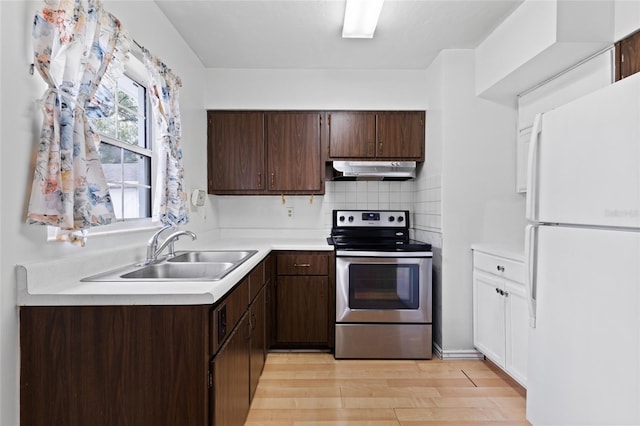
point(379, 230)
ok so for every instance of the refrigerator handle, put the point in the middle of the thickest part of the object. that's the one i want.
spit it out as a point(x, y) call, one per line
point(532, 168)
point(530, 247)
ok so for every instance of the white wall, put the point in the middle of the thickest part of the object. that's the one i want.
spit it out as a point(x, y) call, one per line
point(428, 196)
point(19, 126)
point(476, 141)
point(280, 89)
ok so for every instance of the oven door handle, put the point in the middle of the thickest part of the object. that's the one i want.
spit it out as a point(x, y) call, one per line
point(353, 253)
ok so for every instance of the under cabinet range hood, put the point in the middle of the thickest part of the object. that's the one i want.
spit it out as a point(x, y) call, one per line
point(374, 170)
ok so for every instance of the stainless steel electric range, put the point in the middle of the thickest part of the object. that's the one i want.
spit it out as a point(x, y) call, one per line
point(383, 286)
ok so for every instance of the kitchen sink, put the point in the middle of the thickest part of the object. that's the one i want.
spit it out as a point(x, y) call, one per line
point(181, 271)
point(205, 265)
point(212, 256)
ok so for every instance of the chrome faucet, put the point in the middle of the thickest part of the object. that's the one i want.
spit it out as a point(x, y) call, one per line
point(152, 244)
point(170, 240)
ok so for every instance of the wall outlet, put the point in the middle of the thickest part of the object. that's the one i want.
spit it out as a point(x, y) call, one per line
point(290, 212)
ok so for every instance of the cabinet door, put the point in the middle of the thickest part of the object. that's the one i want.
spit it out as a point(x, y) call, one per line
point(235, 151)
point(257, 343)
point(352, 134)
point(489, 316)
point(302, 310)
point(628, 56)
point(400, 135)
point(230, 394)
point(293, 151)
point(517, 331)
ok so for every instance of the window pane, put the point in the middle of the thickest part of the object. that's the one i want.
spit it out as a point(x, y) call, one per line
point(136, 202)
point(106, 126)
point(129, 94)
point(115, 189)
point(111, 159)
point(136, 168)
point(128, 126)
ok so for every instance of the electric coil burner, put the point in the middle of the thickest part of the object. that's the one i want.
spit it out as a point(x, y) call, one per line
point(383, 286)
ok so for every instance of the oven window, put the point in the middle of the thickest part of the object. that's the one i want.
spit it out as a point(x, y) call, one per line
point(384, 286)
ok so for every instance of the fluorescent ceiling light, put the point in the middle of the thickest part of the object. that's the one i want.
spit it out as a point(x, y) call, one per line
point(361, 18)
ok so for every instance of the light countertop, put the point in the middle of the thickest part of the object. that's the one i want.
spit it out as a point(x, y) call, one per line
point(509, 251)
point(57, 282)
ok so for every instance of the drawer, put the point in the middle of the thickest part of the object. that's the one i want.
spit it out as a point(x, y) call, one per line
point(500, 266)
point(303, 264)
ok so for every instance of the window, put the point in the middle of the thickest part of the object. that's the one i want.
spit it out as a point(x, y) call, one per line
point(125, 150)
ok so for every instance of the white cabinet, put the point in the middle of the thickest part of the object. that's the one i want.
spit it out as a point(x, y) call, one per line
point(500, 312)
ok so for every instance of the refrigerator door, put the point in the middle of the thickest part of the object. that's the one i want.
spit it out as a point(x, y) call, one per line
point(584, 354)
point(584, 165)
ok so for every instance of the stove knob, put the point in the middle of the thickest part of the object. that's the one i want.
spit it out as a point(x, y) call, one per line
point(350, 218)
point(341, 218)
point(391, 218)
point(400, 219)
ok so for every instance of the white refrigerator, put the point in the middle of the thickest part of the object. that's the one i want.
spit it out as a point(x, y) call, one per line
point(583, 260)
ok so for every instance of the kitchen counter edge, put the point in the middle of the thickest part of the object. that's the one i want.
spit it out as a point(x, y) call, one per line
point(33, 288)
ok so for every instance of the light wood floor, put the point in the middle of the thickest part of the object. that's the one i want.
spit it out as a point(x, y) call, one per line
point(315, 389)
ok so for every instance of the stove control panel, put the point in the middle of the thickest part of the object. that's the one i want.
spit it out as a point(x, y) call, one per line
point(371, 218)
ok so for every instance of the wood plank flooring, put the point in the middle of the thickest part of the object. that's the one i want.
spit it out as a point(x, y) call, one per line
point(305, 389)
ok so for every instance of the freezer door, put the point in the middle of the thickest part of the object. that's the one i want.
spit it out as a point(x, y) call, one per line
point(584, 165)
point(584, 354)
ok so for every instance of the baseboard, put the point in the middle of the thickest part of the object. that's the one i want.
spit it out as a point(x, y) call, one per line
point(456, 354)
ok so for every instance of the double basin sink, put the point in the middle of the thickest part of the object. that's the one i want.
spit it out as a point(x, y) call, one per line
point(206, 265)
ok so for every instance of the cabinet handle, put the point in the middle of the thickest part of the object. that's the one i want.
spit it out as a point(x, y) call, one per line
point(500, 268)
point(273, 178)
point(302, 265)
point(259, 180)
point(380, 147)
point(502, 292)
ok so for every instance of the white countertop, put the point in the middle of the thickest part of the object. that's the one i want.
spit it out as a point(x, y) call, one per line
point(509, 251)
point(57, 282)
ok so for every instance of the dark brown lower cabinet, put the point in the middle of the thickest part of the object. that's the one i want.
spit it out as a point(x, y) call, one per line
point(143, 365)
point(258, 348)
point(302, 315)
point(304, 300)
point(114, 365)
point(230, 395)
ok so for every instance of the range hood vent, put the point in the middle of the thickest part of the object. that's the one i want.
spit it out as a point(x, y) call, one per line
point(374, 170)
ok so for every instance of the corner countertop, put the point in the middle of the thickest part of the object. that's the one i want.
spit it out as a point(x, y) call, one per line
point(509, 251)
point(57, 282)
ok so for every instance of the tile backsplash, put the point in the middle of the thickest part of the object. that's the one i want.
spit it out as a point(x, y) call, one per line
point(422, 197)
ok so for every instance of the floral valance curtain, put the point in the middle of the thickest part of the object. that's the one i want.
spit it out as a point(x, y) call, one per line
point(78, 46)
point(170, 202)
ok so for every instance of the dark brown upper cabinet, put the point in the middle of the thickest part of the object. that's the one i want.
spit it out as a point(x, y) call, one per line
point(293, 152)
point(236, 151)
point(264, 152)
point(628, 56)
point(376, 135)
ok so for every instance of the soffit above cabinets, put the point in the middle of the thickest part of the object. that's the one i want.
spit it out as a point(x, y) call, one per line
point(307, 34)
point(539, 40)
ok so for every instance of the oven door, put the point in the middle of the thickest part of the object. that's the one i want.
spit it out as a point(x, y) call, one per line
point(383, 289)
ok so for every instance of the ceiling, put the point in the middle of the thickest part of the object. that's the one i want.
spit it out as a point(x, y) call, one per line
point(306, 34)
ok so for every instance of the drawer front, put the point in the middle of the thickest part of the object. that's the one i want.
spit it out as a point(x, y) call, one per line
point(500, 266)
point(303, 264)
point(227, 314)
